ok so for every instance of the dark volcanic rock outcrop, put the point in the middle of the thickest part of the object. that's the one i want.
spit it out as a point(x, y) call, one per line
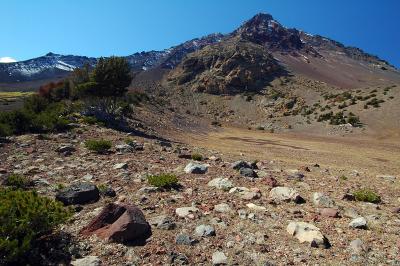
point(228, 67)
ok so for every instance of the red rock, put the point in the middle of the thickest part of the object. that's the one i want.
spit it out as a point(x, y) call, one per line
point(270, 181)
point(329, 212)
point(119, 223)
point(305, 169)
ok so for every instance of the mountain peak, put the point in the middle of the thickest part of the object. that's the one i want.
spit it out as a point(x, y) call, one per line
point(51, 54)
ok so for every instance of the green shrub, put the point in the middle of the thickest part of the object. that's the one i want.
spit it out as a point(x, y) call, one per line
point(367, 195)
point(90, 120)
point(343, 177)
point(166, 181)
point(99, 146)
point(17, 181)
point(353, 120)
point(197, 157)
point(25, 216)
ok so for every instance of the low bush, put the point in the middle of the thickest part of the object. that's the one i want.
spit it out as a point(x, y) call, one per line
point(367, 195)
point(99, 146)
point(197, 157)
point(166, 181)
point(17, 181)
point(25, 216)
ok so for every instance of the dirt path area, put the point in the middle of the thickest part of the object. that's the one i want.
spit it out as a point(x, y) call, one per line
point(377, 156)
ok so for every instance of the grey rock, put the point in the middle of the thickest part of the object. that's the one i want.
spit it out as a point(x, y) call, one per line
point(196, 168)
point(163, 222)
point(359, 223)
point(247, 172)
point(204, 230)
point(178, 259)
point(219, 258)
point(124, 148)
point(322, 200)
point(80, 193)
point(66, 148)
point(184, 239)
point(147, 190)
point(240, 164)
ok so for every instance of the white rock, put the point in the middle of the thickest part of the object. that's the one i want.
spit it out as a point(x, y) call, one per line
point(186, 212)
point(196, 168)
point(256, 207)
point(120, 166)
point(223, 207)
point(221, 183)
point(286, 194)
point(219, 258)
point(359, 222)
point(87, 261)
point(306, 232)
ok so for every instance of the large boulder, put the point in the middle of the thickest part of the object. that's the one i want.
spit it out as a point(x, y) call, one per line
point(306, 232)
point(119, 223)
point(285, 194)
point(80, 193)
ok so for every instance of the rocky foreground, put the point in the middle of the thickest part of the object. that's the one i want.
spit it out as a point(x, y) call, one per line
point(226, 210)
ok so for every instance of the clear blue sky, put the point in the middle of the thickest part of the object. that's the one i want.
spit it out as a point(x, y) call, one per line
point(31, 28)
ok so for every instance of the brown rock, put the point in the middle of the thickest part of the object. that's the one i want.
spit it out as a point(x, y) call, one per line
point(119, 223)
point(329, 212)
point(270, 181)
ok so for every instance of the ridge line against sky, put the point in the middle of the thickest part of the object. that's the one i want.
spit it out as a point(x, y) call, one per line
point(121, 27)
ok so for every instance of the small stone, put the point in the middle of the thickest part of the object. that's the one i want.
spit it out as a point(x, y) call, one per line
point(396, 210)
point(357, 246)
point(119, 166)
point(87, 261)
point(272, 182)
point(219, 258)
point(329, 212)
point(184, 239)
point(240, 164)
point(250, 195)
point(196, 168)
point(204, 230)
point(163, 222)
point(88, 177)
point(247, 172)
point(351, 213)
point(221, 183)
point(178, 259)
point(306, 232)
point(256, 207)
point(320, 199)
point(186, 212)
point(124, 148)
point(223, 207)
point(66, 148)
point(359, 223)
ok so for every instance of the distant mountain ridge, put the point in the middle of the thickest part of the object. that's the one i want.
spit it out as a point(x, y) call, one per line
point(292, 47)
